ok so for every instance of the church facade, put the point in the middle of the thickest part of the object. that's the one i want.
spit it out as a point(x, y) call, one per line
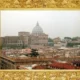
point(36, 39)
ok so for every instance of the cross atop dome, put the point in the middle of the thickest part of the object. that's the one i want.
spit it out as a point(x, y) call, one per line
point(37, 24)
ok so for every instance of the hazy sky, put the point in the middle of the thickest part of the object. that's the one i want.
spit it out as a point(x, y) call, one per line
point(55, 23)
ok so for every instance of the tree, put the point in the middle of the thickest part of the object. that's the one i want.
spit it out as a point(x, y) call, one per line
point(72, 44)
point(74, 38)
point(50, 42)
point(67, 38)
point(34, 53)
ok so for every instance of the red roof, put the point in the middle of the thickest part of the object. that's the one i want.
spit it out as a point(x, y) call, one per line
point(62, 65)
point(39, 67)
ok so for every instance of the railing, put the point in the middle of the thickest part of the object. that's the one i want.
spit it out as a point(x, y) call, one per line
point(30, 59)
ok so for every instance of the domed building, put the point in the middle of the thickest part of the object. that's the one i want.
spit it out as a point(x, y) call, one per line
point(37, 29)
point(38, 38)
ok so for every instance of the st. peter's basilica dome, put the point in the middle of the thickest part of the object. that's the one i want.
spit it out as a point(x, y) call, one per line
point(37, 29)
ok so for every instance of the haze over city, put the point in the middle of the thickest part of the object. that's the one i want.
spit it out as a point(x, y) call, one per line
point(55, 23)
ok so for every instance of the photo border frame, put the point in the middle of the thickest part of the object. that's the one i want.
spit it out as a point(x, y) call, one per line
point(39, 5)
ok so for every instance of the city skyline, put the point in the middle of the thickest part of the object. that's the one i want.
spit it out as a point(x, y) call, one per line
point(54, 23)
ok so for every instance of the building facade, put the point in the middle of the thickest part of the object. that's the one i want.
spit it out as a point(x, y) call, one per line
point(38, 38)
point(56, 40)
point(24, 39)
